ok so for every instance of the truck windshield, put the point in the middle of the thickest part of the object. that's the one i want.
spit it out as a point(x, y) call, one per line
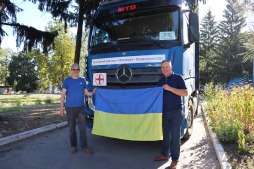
point(161, 27)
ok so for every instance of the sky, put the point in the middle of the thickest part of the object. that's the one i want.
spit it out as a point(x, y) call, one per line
point(216, 6)
point(32, 17)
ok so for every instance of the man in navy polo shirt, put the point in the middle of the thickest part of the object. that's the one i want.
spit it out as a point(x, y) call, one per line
point(74, 89)
point(174, 88)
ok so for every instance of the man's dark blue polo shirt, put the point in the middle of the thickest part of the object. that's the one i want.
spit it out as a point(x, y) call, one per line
point(171, 101)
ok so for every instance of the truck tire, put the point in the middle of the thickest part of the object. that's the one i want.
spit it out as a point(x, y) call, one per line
point(189, 128)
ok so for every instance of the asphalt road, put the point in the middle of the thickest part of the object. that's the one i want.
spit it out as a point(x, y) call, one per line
point(50, 150)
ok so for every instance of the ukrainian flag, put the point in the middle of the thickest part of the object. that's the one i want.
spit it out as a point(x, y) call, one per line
point(132, 114)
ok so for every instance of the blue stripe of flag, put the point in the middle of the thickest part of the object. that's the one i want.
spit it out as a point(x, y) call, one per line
point(129, 101)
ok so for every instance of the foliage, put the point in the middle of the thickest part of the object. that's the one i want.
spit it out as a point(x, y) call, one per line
point(249, 43)
point(83, 10)
point(51, 68)
point(54, 67)
point(227, 53)
point(231, 50)
point(17, 103)
point(232, 114)
point(23, 75)
point(62, 56)
point(248, 4)
point(26, 35)
point(3, 66)
point(43, 68)
point(194, 4)
point(83, 54)
point(209, 37)
point(68, 11)
point(38, 101)
point(48, 100)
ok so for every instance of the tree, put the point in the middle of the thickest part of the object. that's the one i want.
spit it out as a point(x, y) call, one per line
point(209, 37)
point(194, 4)
point(23, 74)
point(3, 66)
point(26, 35)
point(248, 5)
point(231, 50)
point(83, 53)
point(55, 66)
point(68, 11)
point(61, 55)
point(43, 68)
point(59, 10)
point(250, 45)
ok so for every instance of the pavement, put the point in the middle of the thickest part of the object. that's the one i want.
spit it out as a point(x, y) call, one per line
point(60, 141)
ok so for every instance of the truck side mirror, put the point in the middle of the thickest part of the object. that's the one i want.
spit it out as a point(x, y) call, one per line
point(193, 27)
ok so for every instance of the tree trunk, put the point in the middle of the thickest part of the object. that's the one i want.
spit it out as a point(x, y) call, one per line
point(79, 32)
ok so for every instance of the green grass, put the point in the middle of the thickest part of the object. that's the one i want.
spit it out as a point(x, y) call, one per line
point(17, 102)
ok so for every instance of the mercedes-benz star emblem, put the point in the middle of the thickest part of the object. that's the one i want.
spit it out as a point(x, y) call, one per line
point(123, 73)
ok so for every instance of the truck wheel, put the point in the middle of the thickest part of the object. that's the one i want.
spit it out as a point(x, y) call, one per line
point(189, 129)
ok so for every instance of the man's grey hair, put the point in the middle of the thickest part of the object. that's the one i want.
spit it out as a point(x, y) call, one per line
point(168, 61)
point(75, 65)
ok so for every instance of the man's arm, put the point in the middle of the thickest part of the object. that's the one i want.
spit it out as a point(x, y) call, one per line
point(180, 92)
point(62, 99)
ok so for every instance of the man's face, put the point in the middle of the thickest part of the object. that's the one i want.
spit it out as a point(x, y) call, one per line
point(166, 68)
point(75, 71)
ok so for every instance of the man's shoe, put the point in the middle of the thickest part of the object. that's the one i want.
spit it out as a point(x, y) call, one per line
point(87, 150)
point(73, 149)
point(160, 158)
point(173, 165)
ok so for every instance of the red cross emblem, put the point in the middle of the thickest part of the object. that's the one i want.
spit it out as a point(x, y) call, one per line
point(99, 79)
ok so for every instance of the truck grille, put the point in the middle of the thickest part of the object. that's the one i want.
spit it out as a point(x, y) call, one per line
point(133, 78)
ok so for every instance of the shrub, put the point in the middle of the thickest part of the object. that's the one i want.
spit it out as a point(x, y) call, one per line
point(17, 103)
point(28, 101)
point(231, 113)
point(38, 101)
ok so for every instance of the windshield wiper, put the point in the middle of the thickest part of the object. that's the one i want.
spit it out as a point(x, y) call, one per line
point(154, 41)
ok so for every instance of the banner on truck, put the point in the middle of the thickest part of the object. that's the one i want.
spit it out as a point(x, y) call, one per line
point(132, 114)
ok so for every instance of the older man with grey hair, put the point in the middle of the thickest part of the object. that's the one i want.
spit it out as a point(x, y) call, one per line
point(73, 91)
point(172, 114)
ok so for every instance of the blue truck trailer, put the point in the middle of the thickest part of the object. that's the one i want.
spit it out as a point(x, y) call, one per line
point(128, 39)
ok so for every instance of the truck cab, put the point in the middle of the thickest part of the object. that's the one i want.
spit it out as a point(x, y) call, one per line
point(129, 39)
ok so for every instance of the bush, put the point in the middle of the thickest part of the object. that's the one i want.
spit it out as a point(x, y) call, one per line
point(28, 101)
point(231, 113)
point(38, 101)
point(18, 102)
